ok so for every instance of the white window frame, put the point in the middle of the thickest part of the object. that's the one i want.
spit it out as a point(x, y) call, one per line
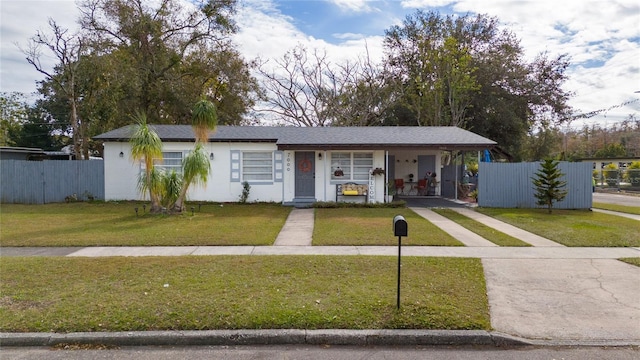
point(169, 162)
point(256, 171)
point(354, 165)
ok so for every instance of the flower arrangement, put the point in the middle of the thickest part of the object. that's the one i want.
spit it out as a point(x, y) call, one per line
point(377, 171)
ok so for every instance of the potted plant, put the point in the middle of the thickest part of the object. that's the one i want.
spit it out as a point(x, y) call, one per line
point(391, 191)
point(338, 172)
point(377, 171)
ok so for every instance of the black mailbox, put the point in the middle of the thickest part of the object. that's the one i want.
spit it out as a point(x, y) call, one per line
point(400, 227)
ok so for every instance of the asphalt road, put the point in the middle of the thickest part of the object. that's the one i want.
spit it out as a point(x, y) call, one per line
point(328, 353)
point(617, 199)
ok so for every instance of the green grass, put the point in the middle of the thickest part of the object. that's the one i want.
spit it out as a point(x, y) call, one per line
point(361, 226)
point(620, 208)
point(632, 261)
point(43, 294)
point(491, 234)
point(116, 224)
point(572, 227)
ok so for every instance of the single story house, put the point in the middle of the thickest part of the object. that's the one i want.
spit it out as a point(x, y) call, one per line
point(298, 165)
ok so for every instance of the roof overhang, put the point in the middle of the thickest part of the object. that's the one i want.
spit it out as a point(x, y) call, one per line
point(447, 147)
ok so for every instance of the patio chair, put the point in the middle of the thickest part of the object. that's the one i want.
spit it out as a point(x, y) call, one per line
point(422, 187)
point(399, 186)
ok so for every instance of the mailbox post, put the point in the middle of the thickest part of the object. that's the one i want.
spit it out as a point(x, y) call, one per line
point(400, 229)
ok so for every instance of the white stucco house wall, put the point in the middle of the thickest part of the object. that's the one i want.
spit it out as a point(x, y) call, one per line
point(291, 165)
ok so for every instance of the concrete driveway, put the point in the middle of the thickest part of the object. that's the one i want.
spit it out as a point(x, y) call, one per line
point(564, 299)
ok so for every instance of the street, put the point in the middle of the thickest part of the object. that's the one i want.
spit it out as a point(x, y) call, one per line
point(617, 199)
point(303, 352)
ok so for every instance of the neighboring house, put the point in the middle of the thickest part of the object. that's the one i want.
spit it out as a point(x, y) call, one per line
point(21, 153)
point(293, 165)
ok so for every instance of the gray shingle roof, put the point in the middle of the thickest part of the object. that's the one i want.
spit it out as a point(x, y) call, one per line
point(323, 137)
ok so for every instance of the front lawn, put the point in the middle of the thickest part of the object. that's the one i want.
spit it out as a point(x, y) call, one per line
point(44, 294)
point(619, 208)
point(116, 224)
point(572, 227)
point(374, 226)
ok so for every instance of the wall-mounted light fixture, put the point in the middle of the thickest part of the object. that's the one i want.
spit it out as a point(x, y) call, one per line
point(211, 156)
point(121, 154)
point(319, 156)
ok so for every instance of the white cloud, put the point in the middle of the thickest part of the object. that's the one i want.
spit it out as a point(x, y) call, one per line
point(419, 4)
point(354, 5)
point(594, 33)
point(19, 20)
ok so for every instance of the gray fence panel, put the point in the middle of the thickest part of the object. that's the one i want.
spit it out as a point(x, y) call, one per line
point(40, 182)
point(20, 183)
point(510, 185)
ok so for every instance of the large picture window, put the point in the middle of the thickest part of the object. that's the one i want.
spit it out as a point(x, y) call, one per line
point(257, 166)
point(352, 166)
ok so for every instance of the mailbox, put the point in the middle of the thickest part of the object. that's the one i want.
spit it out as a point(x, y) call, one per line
point(400, 227)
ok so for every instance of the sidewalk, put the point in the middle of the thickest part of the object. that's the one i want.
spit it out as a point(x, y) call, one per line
point(547, 294)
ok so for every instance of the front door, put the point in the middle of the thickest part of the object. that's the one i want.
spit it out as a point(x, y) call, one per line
point(426, 163)
point(305, 174)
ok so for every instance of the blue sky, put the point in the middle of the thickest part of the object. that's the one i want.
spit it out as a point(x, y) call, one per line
point(602, 37)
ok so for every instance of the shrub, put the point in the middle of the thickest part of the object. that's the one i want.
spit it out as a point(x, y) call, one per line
point(633, 173)
point(338, 205)
point(610, 174)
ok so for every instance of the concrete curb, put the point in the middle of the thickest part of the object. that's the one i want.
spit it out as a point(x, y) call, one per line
point(296, 337)
point(267, 337)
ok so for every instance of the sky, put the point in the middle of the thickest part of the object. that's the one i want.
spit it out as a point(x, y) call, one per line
point(601, 37)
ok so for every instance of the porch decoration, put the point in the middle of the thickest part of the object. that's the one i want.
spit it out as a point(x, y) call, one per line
point(304, 165)
point(338, 172)
point(377, 171)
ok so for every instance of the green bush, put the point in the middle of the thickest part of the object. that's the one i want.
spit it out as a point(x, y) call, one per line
point(338, 205)
point(610, 174)
point(633, 174)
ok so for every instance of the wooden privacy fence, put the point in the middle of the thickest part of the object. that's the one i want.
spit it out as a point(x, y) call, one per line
point(49, 181)
point(508, 185)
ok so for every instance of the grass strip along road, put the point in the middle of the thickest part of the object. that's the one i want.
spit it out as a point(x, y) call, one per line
point(233, 292)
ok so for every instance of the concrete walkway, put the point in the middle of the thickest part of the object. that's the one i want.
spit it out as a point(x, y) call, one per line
point(298, 229)
point(465, 236)
point(481, 252)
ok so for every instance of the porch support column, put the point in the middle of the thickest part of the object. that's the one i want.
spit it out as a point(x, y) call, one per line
point(386, 174)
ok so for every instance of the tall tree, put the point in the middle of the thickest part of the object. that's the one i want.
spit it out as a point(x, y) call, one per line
point(305, 88)
point(467, 71)
point(156, 49)
point(432, 69)
point(67, 48)
point(13, 112)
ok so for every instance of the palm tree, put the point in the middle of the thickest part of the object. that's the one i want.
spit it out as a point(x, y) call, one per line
point(196, 165)
point(195, 170)
point(147, 146)
point(204, 118)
